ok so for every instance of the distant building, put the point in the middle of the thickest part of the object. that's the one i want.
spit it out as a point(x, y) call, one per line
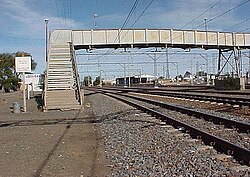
point(108, 82)
point(187, 76)
point(134, 80)
point(248, 78)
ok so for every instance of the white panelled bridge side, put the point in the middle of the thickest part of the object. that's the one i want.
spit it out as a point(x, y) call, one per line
point(62, 83)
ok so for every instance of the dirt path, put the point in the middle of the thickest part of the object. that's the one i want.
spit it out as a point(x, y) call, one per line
point(48, 144)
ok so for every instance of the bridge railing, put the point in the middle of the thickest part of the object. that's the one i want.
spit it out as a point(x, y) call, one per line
point(168, 37)
point(76, 84)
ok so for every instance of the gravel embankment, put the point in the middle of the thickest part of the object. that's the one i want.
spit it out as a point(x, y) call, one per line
point(234, 113)
point(241, 139)
point(137, 144)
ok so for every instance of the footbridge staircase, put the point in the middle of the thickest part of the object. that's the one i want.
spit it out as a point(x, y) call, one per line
point(62, 83)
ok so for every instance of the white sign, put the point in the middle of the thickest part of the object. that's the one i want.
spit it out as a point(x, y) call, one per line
point(34, 78)
point(23, 64)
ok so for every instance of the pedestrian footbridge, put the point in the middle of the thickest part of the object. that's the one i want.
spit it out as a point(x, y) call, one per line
point(62, 83)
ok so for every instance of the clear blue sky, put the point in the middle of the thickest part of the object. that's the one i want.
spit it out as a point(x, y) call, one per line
point(22, 21)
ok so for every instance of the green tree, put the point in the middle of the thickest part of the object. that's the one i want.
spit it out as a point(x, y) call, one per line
point(87, 80)
point(97, 81)
point(8, 77)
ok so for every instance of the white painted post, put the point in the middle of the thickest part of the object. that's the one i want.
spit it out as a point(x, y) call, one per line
point(24, 94)
point(28, 90)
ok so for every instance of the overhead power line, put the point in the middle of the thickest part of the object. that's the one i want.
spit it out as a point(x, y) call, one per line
point(201, 14)
point(125, 22)
point(245, 30)
point(142, 13)
point(130, 13)
point(237, 24)
point(223, 13)
point(229, 10)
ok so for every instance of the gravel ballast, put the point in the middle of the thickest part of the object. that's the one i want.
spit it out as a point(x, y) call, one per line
point(137, 144)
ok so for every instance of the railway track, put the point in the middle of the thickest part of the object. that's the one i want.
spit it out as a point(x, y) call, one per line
point(220, 141)
point(207, 90)
point(240, 101)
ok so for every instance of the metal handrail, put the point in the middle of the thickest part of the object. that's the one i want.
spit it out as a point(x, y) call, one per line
point(76, 75)
point(46, 83)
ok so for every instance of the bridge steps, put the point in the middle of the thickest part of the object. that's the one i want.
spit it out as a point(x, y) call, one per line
point(60, 91)
point(62, 99)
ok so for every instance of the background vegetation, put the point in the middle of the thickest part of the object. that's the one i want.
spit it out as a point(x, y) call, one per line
point(9, 79)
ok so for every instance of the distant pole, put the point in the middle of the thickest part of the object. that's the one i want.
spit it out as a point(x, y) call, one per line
point(155, 70)
point(24, 91)
point(124, 74)
point(207, 70)
point(206, 29)
point(248, 70)
point(197, 68)
point(140, 76)
point(167, 61)
point(155, 66)
point(100, 72)
point(177, 68)
point(192, 80)
point(95, 20)
point(46, 39)
point(128, 73)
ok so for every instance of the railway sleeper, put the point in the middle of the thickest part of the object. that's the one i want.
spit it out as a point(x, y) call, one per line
point(221, 145)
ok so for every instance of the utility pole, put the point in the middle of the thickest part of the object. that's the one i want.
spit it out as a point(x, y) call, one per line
point(154, 58)
point(24, 91)
point(207, 70)
point(249, 63)
point(197, 68)
point(155, 70)
point(206, 58)
point(46, 39)
point(214, 57)
point(163, 71)
point(100, 72)
point(206, 30)
point(124, 73)
point(95, 20)
point(176, 64)
point(167, 62)
point(140, 77)
point(155, 66)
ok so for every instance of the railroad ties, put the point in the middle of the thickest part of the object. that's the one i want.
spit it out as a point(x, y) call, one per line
point(151, 140)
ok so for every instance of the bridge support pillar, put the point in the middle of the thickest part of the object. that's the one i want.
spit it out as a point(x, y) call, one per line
point(229, 62)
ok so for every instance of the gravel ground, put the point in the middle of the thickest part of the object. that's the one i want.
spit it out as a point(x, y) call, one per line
point(137, 144)
point(234, 113)
point(241, 139)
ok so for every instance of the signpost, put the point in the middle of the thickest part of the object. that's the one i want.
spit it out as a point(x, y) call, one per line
point(22, 65)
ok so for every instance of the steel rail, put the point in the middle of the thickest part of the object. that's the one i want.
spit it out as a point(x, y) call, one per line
point(195, 89)
point(221, 99)
point(214, 92)
point(241, 127)
point(221, 145)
